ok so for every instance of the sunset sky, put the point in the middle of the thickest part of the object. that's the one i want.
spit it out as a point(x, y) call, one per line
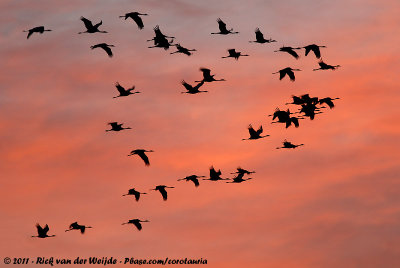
point(334, 202)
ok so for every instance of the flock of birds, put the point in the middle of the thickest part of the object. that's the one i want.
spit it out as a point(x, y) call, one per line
point(307, 106)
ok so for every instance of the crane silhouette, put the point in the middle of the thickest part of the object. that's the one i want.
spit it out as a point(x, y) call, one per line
point(207, 77)
point(162, 43)
point(90, 28)
point(135, 16)
point(303, 99)
point(296, 100)
point(193, 89)
point(280, 114)
point(244, 171)
point(141, 154)
point(289, 145)
point(287, 71)
point(238, 179)
point(328, 101)
point(38, 29)
point(284, 117)
point(136, 222)
point(193, 178)
point(160, 40)
point(134, 193)
point(234, 54)
point(222, 28)
point(254, 135)
point(76, 226)
point(124, 92)
point(163, 192)
point(314, 48)
point(42, 232)
point(260, 38)
point(106, 48)
point(289, 50)
point(183, 50)
point(309, 110)
point(289, 121)
point(159, 34)
point(324, 66)
point(215, 175)
point(116, 127)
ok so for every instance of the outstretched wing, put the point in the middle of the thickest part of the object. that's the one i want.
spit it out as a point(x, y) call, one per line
point(295, 121)
point(252, 132)
point(88, 23)
point(199, 85)
point(195, 181)
point(308, 49)
point(282, 74)
point(221, 25)
point(138, 21)
point(213, 173)
point(328, 102)
point(98, 24)
point(39, 229)
point(206, 72)
point(317, 52)
point(144, 158)
point(73, 225)
point(291, 75)
point(186, 85)
point(293, 53)
point(113, 124)
point(120, 89)
point(276, 113)
point(138, 225)
point(324, 65)
point(260, 130)
point(132, 191)
point(107, 50)
point(259, 35)
point(137, 195)
point(163, 193)
point(287, 144)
